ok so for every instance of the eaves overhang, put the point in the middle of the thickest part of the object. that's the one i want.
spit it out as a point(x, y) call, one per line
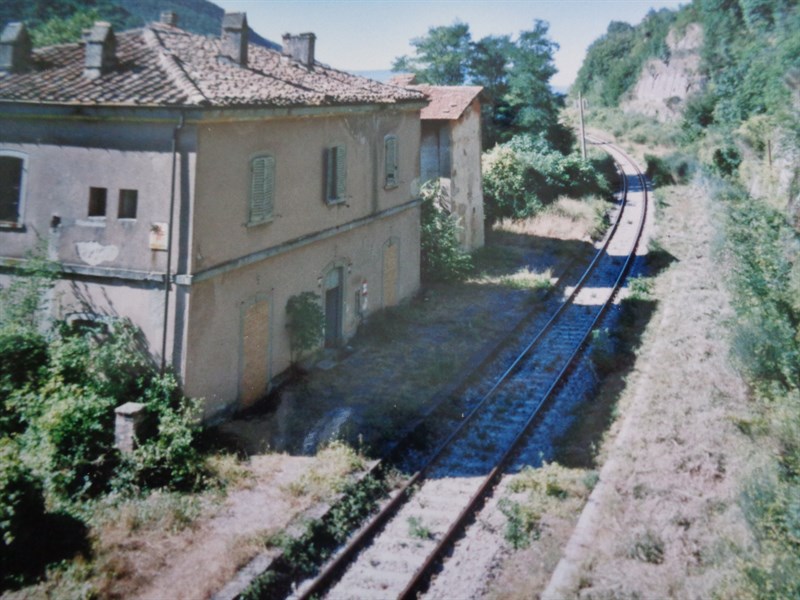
point(14, 109)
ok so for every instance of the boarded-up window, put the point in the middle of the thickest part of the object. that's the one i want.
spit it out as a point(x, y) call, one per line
point(262, 189)
point(255, 352)
point(335, 174)
point(390, 161)
point(10, 189)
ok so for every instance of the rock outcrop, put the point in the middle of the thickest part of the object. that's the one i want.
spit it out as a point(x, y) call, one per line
point(664, 85)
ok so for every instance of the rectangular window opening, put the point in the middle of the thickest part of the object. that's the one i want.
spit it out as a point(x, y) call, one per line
point(128, 200)
point(97, 201)
point(10, 189)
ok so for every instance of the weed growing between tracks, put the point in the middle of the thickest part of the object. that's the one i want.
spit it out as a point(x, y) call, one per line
point(301, 556)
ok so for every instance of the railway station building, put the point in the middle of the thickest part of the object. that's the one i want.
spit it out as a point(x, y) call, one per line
point(194, 184)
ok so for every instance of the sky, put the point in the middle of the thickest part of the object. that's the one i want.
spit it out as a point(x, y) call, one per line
point(367, 35)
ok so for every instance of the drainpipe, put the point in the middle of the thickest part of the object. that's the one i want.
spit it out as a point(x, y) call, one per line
point(168, 274)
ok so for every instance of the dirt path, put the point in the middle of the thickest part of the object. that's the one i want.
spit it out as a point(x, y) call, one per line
point(663, 521)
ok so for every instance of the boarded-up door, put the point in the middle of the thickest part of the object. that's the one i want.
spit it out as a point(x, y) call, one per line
point(255, 352)
point(390, 259)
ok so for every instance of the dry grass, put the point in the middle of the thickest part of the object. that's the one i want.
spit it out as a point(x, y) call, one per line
point(334, 468)
point(665, 521)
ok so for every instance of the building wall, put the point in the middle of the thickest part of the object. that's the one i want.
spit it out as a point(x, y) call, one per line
point(221, 321)
point(297, 144)
point(466, 185)
point(113, 267)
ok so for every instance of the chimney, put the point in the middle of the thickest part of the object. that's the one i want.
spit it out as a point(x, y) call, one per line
point(101, 46)
point(300, 48)
point(15, 48)
point(169, 17)
point(234, 38)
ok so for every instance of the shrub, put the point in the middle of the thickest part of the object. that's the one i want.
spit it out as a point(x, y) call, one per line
point(524, 175)
point(169, 456)
point(441, 256)
point(77, 439)
point(676, 168)
point(21, 508)
point(305, 321)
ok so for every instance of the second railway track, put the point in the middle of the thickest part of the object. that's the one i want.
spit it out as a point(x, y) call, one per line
point(392, 556)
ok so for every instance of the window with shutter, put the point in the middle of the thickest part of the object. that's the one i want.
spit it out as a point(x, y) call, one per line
point(390, 161)
point(335, 174)
point(262, 189)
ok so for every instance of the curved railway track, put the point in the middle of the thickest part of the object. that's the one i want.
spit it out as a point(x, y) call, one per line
point(393, 555)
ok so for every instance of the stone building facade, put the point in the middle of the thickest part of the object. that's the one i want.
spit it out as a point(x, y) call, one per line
point(195, 184)
point(450, 152)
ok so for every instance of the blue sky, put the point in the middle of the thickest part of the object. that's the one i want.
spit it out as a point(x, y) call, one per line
point(360, 35)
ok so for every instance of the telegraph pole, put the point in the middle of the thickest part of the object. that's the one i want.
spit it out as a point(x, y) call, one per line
point(583, 130)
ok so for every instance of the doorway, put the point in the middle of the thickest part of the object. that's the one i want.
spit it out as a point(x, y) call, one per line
point(333, 308)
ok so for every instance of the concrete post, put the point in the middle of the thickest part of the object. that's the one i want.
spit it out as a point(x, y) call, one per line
point(127, 424)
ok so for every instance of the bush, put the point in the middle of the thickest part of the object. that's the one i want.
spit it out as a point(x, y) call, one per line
point(169, 456)
point(524, 175)
point(441, 256)
point(305, 321)
point(76, 439)
point(675, 168)
point(21, 509)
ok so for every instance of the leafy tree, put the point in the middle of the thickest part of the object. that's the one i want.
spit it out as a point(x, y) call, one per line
point(60, 30)
point(489, 64)
point(515, 76)
point(441, 56)
point(534, 104)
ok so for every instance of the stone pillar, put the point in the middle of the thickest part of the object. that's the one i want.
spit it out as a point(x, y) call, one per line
point(127, 424)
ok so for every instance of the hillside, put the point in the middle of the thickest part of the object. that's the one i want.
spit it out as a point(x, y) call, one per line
point(197, 16)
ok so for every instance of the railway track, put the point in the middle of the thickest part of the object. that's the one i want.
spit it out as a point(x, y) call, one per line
point(393, 555)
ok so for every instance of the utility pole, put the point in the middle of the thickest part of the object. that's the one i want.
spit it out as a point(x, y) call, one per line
point(583, 130)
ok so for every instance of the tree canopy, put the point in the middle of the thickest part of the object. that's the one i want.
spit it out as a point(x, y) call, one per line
point(515, 75)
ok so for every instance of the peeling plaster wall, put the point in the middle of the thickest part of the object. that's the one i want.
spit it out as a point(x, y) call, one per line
point(466, 185)
point(63, 159)
point(297, 144)
point(214, 368)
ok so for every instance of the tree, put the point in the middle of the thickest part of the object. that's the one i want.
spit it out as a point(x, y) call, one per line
point(488, 67)
point(515, 76)
point(441, 56)
point(534, 104)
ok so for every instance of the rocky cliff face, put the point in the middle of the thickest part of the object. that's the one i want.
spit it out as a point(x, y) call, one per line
point(664, 85)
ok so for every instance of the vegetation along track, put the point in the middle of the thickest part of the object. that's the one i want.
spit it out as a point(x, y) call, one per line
point(394, 554)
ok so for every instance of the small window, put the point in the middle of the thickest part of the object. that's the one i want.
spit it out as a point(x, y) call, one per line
point(11, 169)
point(335, 174)
point(97, 201)
point(262, 189)
point(128, 200)
point(390, 161)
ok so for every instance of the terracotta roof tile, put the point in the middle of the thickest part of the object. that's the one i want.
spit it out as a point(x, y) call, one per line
point(163, 65)
point(447, 102)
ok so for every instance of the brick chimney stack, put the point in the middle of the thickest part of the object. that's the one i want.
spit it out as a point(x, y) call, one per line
point(101, 50)
point(300, 48)
point(234, 38)
point(169, 17)
point(15, 48)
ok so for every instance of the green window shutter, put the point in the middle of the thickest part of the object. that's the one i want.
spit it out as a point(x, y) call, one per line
point(390, 157)
point(262, 188)
point(341, 172)
point(335, 173)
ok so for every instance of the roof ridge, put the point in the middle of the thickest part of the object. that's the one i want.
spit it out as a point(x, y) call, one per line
point(173, 67)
